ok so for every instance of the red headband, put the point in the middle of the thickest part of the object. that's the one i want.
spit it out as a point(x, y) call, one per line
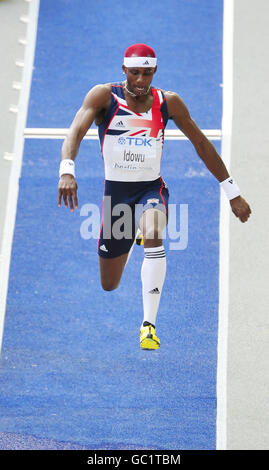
point(144, 56)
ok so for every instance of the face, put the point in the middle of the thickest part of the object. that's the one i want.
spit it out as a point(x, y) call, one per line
point(139, 79)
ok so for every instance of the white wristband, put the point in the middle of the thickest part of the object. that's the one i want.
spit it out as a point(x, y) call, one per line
point(67, 167)
point(230, 188)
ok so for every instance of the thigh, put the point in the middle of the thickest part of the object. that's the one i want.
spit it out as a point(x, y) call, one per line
point(118, 225)
point(152, 213)
point(152, 224)
point(155, 197)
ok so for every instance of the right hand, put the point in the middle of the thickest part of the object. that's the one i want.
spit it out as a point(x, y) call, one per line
point(240, 208)
point(67, 189)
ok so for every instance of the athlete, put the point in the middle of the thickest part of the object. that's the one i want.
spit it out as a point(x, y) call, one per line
point(131, 117)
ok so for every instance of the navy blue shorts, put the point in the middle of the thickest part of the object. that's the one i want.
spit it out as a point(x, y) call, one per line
point(123, 205)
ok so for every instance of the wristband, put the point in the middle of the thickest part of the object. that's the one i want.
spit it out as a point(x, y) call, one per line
point(230, 188)
point(67, 167)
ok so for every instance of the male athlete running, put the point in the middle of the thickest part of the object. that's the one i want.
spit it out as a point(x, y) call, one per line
point(131, 117)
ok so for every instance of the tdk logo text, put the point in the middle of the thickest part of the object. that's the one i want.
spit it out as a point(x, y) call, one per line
point(137, 141)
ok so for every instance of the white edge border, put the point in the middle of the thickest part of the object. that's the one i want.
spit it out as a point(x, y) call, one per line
point(224, 227)
point(13, 187)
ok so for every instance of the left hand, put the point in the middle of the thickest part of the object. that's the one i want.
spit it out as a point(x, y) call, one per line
point(67, 189)
point(240, 208)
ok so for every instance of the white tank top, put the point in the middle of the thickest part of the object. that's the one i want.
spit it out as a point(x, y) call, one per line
point(132, 143)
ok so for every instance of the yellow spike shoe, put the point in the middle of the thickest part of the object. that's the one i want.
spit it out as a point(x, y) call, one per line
point(139, 239)
point(148, 338)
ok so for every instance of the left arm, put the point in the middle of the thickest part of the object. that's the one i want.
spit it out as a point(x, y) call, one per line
point(205, 149)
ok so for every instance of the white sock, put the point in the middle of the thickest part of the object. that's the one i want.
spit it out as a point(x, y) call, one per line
point(152, 276)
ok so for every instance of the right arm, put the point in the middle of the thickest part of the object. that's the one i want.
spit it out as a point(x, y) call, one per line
point(96, 100)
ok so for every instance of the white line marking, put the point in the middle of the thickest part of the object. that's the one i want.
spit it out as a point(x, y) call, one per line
point(11, 208)
point(169, 134)
point(8, 156)
point(224, 228)
point(19, 63)
point(13, 108)
point(16, 85)
point(23, 41)
point(24, 19)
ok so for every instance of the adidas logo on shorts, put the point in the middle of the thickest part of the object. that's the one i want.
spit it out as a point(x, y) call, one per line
point(103, 248)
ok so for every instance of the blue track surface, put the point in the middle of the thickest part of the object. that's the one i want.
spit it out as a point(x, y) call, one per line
point(72, 374)
point(81, 43)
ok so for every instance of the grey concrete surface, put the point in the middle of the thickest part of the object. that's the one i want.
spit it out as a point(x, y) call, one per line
point(248, 331)
point(11, 31)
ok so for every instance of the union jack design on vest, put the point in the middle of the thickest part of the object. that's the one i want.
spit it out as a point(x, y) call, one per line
point(132, 143)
